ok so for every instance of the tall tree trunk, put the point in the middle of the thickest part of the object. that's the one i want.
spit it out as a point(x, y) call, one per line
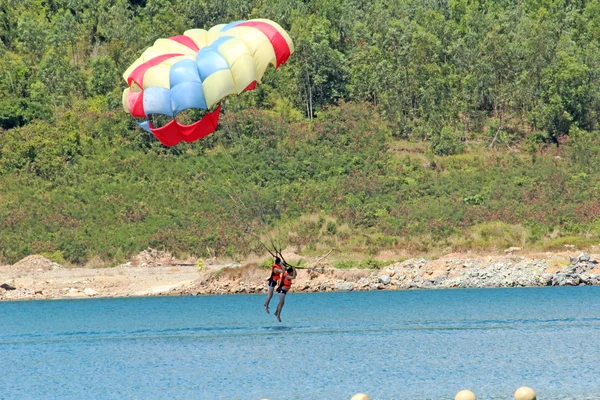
point(309, 93)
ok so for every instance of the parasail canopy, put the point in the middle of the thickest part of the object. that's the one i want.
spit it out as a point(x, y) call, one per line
point(197, 70)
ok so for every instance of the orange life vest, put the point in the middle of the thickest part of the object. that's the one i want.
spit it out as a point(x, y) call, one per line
point(287, 283)
point(276, 275)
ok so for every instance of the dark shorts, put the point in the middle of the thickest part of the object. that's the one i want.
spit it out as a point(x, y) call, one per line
point(282, 291)
point(272, 283)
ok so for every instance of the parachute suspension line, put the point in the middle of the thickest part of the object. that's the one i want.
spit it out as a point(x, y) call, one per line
point(276, 242)
point(258, 208)
point(238, 203)
point(257, 200)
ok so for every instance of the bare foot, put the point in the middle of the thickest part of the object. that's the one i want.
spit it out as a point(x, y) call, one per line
point(267, 310)
point(278, 319)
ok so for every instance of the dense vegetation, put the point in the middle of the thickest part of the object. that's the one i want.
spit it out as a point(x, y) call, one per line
point(415, 124)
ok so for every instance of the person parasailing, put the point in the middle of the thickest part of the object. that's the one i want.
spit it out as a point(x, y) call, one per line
point(276, 271)
point(284, 286)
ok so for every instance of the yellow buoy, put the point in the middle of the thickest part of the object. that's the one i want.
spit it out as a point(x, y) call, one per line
point(465, 395)
point(525, 393)
point(360, 396)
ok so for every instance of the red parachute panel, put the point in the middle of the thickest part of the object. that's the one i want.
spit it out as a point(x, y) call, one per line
point(174, 133)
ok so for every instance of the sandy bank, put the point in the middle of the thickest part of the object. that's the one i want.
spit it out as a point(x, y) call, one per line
point(153, 274)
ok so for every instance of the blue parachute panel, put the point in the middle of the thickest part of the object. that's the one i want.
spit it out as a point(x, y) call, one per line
point(157, 100)
point(145, 126)
point(187, 95)
point(209, 60)
point(184, 71)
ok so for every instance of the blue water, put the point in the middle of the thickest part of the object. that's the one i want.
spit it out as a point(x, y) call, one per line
point(389, 345)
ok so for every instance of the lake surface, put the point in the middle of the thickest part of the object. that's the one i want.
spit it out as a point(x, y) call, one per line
point(390, 345)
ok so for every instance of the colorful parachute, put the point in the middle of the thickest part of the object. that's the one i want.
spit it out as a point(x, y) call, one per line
point(197, 70)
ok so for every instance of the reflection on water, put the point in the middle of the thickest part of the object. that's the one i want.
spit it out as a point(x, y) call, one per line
point(415, 344)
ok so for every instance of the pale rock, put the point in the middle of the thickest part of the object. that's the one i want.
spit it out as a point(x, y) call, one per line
point(573, 260)
point(345, 286)
point(511, 250)
point(233, 265)
point(363, 281)
point(385, 279)
point(89, 291)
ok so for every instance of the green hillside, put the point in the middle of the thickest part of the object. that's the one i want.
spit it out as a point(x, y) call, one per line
point(415, 125)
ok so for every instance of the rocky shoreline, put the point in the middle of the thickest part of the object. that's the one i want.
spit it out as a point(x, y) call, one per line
point(154, 273)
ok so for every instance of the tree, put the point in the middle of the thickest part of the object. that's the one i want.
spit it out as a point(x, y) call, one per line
point(59, 77)
point(565, 93)
point(104, 76)
point(321, 70)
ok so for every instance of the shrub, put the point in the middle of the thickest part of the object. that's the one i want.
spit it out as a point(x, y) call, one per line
point(446, 142)
point(345, 264)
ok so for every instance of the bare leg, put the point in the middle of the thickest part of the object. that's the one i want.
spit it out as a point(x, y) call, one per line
point(269, 296)
point(280, 306)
